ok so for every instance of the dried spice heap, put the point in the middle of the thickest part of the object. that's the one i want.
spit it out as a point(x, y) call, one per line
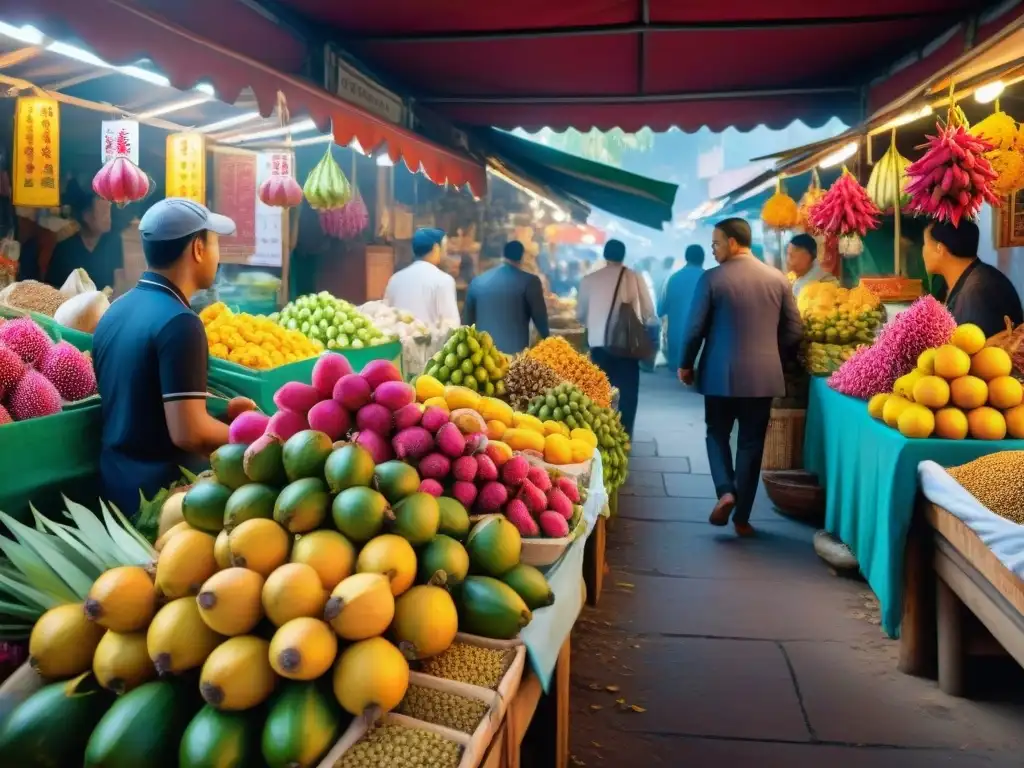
point(527, 378)
point(575, 368)
point(32, 296)
point(997, 481)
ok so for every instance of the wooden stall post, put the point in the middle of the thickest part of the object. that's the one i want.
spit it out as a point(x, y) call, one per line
point(917, 630)
point(593, 561)
point(952, 655)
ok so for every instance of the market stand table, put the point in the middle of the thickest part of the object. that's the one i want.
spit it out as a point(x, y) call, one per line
point(869, 472)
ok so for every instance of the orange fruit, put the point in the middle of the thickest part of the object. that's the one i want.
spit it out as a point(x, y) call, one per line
point(951, 424)
point(951, 362)
point(876, 404)
point(932, 391)
point(894, 406)
point(1005, 392)
point(990, 363)
point(926, 362)
point(968, 392)
point(986, 424)
point(968, 337)
point(1015, 422)
point(916, 421)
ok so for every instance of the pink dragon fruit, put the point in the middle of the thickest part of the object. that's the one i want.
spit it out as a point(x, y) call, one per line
point(520, 517)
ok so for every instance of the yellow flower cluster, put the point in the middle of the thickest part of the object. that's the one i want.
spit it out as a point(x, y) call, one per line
point(252, 340)
point(571, 366)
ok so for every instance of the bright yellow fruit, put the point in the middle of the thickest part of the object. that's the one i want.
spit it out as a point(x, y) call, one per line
point(932, 391)
point(876, 404)
point(1005, 392)
point(951, 424)
point(428, 387)
point(260, 545)
point(425, 622)
point(461, 397)
point(252, 340)
point(391, 555)
point(926, 362)
point(229, 601)
point(892, 409)
point(436, 402)
point(63, 641)
point(370, 673)
point(237, 674)
point(221, 551)
point(968, 337)
point(968, 392)
point(328, 553)
point(986, 424)
point(916, 421)
point(904, 385)
point(361, 606)
point(122, 662)
point(1015, 422)
point(292, 591)
point(557, 449)
point(991, 363)
point(951, 362)
point(122, 599)
point(185, 563)
point(178, 639)
point(303, 649)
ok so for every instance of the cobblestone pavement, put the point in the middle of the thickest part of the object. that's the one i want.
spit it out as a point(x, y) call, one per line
point(711, 651)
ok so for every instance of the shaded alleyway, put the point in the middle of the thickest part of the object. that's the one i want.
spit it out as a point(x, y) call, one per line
point(749, 653)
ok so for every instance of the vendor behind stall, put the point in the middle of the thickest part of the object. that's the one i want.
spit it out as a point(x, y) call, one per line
point(422, 289)
point(94, 247)
point(978, 293)
point(150, 354)
point(802, 261)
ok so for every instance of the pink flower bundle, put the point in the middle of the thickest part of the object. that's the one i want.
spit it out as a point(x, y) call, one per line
point(347, 221)
point(845, 209)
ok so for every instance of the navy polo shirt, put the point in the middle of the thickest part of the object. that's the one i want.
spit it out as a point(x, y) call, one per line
point(149, 349)
point(984, 296)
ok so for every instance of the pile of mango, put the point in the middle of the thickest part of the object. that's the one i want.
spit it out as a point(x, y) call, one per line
point(254, 341)
point(836, 322)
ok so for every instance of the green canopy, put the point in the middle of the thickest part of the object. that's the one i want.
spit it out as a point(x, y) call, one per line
point(582, 182)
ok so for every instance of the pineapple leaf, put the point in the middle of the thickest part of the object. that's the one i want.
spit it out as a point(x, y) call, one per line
point(128, 528)
point(12, 632)
point(134, 553)
point(190, 476)
point(51, 556)
point(92, 531)
point(72, 545)
point(18, 610)
point(36, 571)
point(29, 595)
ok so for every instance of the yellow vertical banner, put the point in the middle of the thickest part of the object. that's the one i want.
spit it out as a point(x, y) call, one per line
point(186, 166)
point(36, 162)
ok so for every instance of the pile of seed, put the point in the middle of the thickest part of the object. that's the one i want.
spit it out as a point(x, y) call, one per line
point(471, 664)
point(526, 378)
point(997, 481)
point(33, 296)
point(442, 708)
point(395, 746)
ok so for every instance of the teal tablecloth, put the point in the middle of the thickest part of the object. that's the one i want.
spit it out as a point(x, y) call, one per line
point(869, 472)
point(545, 635)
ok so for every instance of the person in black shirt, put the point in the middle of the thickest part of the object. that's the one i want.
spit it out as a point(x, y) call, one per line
point(150, 354)
point(978, 293)
point(94, 247)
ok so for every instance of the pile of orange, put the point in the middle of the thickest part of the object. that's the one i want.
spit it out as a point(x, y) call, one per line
point(959, 390)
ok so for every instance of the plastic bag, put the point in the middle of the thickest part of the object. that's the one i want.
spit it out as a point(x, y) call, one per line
point(78, 282)
point(83, 312)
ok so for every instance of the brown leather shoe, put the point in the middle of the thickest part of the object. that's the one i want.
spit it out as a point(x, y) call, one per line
point(744, 530)
point(723, 509)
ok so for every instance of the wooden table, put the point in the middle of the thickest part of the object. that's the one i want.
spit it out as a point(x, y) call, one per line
point(594, 562)
point(959, 601)
point(523, 739)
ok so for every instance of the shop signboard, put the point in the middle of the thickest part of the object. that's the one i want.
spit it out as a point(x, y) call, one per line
point(186, 166)
point(271, 223)
point(119, 137)
point(353, 86)
point(36, 162)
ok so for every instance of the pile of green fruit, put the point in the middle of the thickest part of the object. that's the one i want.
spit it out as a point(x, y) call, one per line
point(470, 359)
point(570, 406)
point(825, 359)
point(333, 322)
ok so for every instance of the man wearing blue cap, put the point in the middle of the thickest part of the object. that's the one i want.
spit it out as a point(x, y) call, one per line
point(150, 354)
point(422, 288)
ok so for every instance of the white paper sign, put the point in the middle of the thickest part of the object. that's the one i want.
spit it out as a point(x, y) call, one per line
point(270, 220)
point(119, 132)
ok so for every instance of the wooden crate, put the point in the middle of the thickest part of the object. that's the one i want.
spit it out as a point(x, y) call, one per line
point(784, 442)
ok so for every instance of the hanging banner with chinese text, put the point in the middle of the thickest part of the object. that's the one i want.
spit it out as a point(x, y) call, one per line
point(36, 162)
point(271, 223)
point(234, 195)
point(119, 137)
point(186, 166)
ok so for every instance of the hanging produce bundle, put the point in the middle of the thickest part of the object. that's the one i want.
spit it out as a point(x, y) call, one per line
point(780, 211)
point(1007, 160)
point(810, 199)
point(953, 178)
point(347, 221)
point(280, 192)
point(121, 181)
point(888, 183)
point(326, 187)
point(845, 209)
point(332, 222)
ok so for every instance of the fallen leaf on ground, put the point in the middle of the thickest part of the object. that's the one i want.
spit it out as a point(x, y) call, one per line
point(625, 584)
point(596, 707)
point(637, 708)
point(612, 688)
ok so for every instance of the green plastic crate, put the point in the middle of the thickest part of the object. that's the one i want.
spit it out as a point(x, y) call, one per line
point(236, 380)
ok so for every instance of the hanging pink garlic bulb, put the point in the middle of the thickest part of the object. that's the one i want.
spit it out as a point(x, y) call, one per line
point(121, 181)
point(280, 192)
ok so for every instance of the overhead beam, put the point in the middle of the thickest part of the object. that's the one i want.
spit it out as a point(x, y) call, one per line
point(21, 55)
point(649, 98)
point(633, 28)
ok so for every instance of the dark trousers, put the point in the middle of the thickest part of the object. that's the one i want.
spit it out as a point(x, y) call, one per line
point(741, 479)
point(624, 375)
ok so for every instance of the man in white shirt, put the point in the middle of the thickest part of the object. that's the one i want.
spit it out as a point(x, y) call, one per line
point(422, 288)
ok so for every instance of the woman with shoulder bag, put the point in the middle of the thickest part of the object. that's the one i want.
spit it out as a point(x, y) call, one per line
point(617, 310)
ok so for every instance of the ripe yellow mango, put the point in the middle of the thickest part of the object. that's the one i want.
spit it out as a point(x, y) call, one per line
point(526, 421)
point(493, 409)
point(557, 449)
point(524, 440)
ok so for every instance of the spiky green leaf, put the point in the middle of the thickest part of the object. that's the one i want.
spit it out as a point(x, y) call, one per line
point(29, 596)
point(73, 544)
point(18, 610)
point(77, 581)
point(128, 528)
point(93, 533)
point(134, 552)
point(35, 569)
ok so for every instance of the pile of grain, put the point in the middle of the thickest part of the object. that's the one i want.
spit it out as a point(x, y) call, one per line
point(997, 481)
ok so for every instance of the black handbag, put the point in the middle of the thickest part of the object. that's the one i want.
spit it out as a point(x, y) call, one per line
point(625, 334)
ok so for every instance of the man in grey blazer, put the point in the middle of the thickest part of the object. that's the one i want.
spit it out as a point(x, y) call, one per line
point(744, 315)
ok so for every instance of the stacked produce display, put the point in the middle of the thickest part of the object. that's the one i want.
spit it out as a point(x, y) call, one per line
point(36, 375)
point(303, 582)
point(470, 359)
point(575, 368)
point(331, 322)
point(837, 321)
point(960, 389)
point(254, 341)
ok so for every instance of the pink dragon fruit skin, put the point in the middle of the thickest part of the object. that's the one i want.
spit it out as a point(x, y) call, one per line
point(431, 486)
point(520, 517)
point(435, 465)
point(568, 486)
point(553, 525)
point(539, 477)
point(464, 468)
point(492, 497)
point(873, 370)
point(485, 469)
point(464, 493)
point(559, 502)
point(434, 418)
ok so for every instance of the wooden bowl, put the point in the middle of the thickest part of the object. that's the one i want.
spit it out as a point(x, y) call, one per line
point(796, 495)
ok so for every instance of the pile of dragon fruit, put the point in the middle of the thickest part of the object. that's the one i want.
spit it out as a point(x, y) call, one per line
point(377, 410)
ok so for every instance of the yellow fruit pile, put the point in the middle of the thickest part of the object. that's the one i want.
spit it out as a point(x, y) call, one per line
point(836, 321)
point(575, 368)
point(958, 390)
point(252, 340)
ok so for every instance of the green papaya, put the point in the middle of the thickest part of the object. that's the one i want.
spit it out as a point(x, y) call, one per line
point(491, 608)
point(226, 463)
point(249, 501)
point(204, 504)
point(52, 726)
point(216, 739)
point(303, 722)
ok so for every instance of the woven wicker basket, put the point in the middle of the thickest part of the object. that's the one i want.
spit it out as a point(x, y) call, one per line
point(784, 442)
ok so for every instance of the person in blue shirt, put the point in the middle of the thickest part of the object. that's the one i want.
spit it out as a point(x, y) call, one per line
point(150, 355)
point(503, 301)
point(675, 300)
